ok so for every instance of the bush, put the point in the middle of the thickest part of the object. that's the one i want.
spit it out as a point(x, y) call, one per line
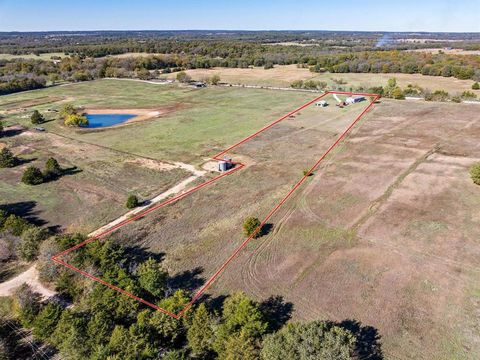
point(37, 118)
point(183, 77)
point(15, 225)
point(468, 95)
point(397, 94)
point(32, 176)
point(250, 225)
point(215, 80)
point(7, 159)
point(476, 86)
point(132, 202)
point(31, 240)
point(475, 173)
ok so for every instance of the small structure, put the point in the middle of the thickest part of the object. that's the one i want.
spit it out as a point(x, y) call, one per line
point(198, 84)
point(39, 128)
point(321, 103)
point(225, 164)
point(354, 99)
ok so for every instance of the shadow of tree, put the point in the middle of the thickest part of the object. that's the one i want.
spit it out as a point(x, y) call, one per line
point(187, 280)
point(26, 210)
point(11, 132)
point(276, 311)
point(368, 346)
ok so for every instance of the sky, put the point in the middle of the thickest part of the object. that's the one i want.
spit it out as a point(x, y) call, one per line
point(366, 15)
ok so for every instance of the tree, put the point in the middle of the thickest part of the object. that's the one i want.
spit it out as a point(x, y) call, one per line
point(46, 321)
point(215, 80)
point(397, 94)
point(1, 128)
point(31, 240)
point(32, 176)
point(37, 118)
point(476, 86)
point(67, 109)
point(132, 202)
point(152, 277)
point(52, 169)
point(26, 304)
point(241, 317)
point(7, 159)
point(200, 334)
point(15, 225)
point(250, 226)
point(75, 120)
point(475, 173)
point(183, 77)
point(314, 340)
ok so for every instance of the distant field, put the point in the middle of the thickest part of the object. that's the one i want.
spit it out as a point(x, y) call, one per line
point(46, 56)
point(285, 75)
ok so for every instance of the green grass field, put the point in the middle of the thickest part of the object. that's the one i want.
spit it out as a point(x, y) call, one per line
point(46, 56)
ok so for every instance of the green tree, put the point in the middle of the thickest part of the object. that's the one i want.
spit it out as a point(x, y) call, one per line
point(314, 340)
point(1, 128)
point(46, 321)
point(132, 202)
point(70, 335)
point(30, 243)
point(240, 347)
point(37, 118)
point(32, 176)
point(200, 334)
point(152, 277)
point(251, 226)
point(26, 304)
point(52, 169)
point(7, 159)
point(241, 317)
point(476, 86)
point(67, 109)
point(475, 173)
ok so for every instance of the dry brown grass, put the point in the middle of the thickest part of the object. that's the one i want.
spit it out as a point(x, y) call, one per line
point(283, 76)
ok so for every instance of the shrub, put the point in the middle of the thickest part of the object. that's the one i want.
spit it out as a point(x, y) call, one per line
point(132, 202)
point(475, 173)
point(215, 79)
point(37, 118)
point(476, 86)
point(152, 277)
point(32, 176)
point(183, 77)
point(397, 94)
point(250, 225)
point(7, 159)
point(468, 95)
point(15, 225)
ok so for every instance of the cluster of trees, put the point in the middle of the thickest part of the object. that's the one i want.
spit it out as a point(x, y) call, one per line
point(309, 85)
point(72, 117)
point(106, 325)
point(17, 84)
point(34, 176)
point(461, 67)
point(19, 238)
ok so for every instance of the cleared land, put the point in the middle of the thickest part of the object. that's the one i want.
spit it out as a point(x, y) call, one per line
point(46, 56)
point(283, 76)
point(385, 232)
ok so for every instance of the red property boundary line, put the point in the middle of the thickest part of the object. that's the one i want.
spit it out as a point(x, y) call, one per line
point(57, 258)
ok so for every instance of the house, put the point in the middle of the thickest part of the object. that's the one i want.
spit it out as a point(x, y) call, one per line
point(225, 164)
point(355, 99)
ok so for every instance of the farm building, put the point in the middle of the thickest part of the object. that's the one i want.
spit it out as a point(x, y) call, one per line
point(321, 103)
point(355, 99)
point(225, 164)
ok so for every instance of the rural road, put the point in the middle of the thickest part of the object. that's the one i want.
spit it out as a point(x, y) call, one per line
point(30, 276)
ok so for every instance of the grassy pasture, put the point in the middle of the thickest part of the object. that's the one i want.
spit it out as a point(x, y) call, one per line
point(46, 56)
point(284, 75)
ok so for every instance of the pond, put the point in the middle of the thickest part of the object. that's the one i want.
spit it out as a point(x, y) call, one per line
point(105, 120)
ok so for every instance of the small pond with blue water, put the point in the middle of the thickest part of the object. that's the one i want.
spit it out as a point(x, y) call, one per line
point(105, 120)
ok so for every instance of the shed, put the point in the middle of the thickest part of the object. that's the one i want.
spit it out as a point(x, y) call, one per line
point(355, 99)
point(321, 103)
point(225, 164)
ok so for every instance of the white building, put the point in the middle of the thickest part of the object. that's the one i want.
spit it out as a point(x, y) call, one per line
point(354, 99)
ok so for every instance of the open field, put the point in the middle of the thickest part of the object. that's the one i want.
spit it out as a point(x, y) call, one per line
point(284, 75)
point(448, 51)
point(45, 56)
point(386, 231)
